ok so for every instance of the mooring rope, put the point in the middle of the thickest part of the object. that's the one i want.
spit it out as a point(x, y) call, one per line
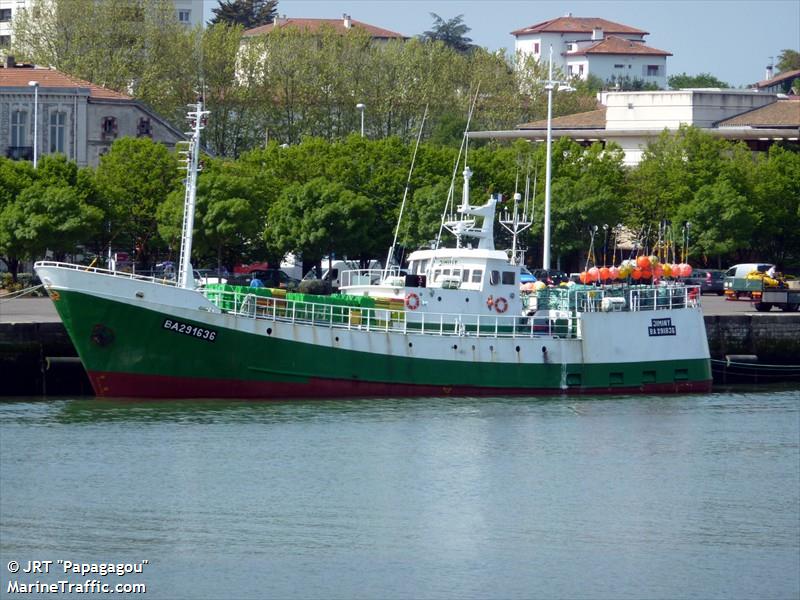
point(19, 293)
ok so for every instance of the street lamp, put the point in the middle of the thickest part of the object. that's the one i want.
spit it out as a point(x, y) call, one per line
point(35, 86)
point(361, 106)
point(550, 85)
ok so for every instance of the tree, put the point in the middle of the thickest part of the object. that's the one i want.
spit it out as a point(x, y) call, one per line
point(451, 33)
point(46, 210)
point(317, 219)
point(788, 60)
point(703, 80)
point(118, 44)
point(133, 179)
point(247, 13)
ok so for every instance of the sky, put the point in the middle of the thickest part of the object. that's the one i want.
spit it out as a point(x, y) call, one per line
point(731, 39)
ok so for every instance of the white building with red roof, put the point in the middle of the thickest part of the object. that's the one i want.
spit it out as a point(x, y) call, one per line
point(584, 46)
point(72, 117)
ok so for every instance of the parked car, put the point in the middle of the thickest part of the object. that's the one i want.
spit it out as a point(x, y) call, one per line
point(550, 276)
point(525, 276)
point(711, 281)
point(271, 278)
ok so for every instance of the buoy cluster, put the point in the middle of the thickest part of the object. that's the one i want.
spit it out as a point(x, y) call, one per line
point(642, 268)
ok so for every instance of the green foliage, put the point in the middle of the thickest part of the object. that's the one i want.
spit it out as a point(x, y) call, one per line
point(247, 13)
point(741, 206)
point(115, 43)
point(44, 209)
point(631, 84)
point(788, 60)
point(703, 80)
point(319, 218)
point(451, 33)
point(133, 179)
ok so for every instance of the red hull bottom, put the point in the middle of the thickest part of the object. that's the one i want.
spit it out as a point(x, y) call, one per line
point(126, 385)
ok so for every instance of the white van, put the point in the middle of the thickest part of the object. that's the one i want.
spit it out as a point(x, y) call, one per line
point(736, 284)
point(741, 271)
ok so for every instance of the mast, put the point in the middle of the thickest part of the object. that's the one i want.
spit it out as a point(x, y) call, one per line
point(197, 119)
point(546, 242)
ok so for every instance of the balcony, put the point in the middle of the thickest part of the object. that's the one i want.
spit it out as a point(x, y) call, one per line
point(20, 152)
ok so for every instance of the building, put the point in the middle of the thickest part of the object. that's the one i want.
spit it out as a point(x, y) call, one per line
point(634, 119)
point(584, 46)
point(72, 117)
point(342, 26)
point(188, 12)
point(780, 83)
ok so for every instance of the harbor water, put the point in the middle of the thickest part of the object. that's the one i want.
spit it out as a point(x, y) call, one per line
point(694, 496)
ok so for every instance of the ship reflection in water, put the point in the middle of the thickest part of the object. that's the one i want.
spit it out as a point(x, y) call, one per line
point(597, 497)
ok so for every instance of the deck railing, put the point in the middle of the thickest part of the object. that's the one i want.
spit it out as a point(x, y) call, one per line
point(123, 274)
point(251, 305)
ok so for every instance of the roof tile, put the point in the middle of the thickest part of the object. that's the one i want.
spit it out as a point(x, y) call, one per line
point(618, 45)
point(51, 78)
point(578, 25)
point(783, 113)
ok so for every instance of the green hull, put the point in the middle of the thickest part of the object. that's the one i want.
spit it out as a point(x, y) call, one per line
point(134, 351)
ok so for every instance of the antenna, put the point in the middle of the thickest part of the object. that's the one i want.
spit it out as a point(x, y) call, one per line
point(455, 167)
point(405, 194)
point(191, 155)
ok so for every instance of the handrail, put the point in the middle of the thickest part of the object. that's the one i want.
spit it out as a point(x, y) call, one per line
point(123, 274)
point(244, 303)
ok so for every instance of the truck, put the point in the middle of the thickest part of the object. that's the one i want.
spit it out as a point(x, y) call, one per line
point(786, 297)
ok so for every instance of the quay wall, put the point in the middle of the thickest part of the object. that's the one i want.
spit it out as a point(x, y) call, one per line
point(26, 371)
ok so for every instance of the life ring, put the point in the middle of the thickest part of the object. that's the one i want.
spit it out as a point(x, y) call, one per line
point(489, 302)
point(501, 305)
point(412, 301)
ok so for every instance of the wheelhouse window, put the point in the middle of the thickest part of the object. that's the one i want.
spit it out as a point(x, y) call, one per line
point(477, 275)
point(494, 278)
point(508, 277)
point(465, 275)
point(58, 122)
point(19, 120)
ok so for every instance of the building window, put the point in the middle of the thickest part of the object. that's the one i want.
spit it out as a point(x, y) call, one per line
point(143, 128)
point(619, 66)
point(536, 48)
point(580, 70)
point(5, 41)
point(19, 119)
point(184, 16)
point(652, 70)
point(5, 15)
point(58, 122)
point(109, 125)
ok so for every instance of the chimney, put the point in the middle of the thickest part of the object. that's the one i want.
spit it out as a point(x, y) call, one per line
point(347, 22)
point(10, 62)
point(597, 33)
point(767, 75)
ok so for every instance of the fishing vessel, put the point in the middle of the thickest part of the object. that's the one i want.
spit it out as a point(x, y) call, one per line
point(456, 321)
